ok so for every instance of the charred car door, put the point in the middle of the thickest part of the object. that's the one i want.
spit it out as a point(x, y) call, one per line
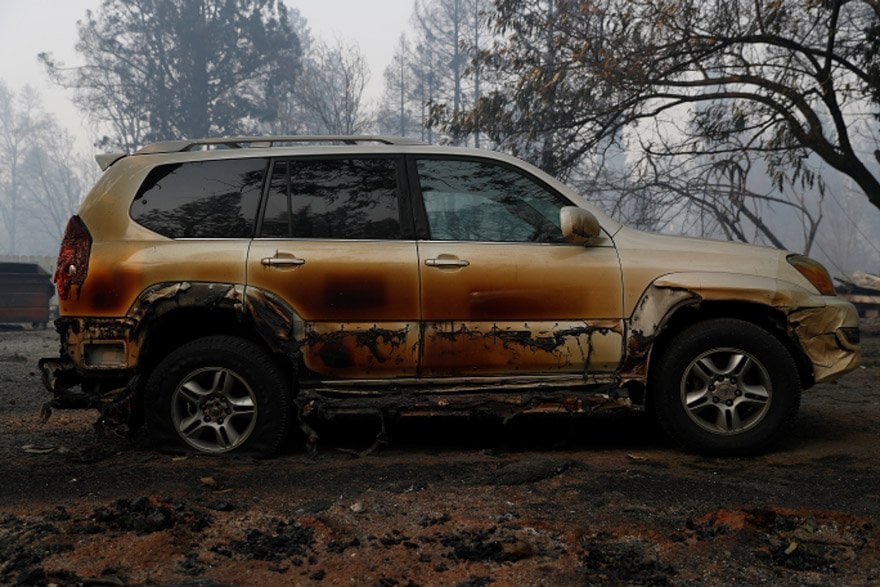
point(335, 244)
point(502, 294)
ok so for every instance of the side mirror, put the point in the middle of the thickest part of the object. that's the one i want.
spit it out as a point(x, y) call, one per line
point(578, 225)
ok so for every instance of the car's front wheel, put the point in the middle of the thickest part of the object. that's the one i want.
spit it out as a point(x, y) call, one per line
point(725, 387)
point(217, 394)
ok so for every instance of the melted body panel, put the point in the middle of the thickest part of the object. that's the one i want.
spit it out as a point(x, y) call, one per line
point(78, 334)
point(820, 333)
point(500, 308)
point(652, 312)
point(358, 300)
point(816, 322)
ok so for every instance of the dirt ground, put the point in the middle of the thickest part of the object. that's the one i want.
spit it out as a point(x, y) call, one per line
point(588, 500)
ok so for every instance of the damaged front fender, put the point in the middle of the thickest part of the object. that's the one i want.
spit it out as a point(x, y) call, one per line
point(823, 328)
point(829, 337)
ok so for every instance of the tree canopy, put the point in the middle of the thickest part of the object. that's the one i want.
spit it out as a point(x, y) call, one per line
point(161, 69)
point(718, 80)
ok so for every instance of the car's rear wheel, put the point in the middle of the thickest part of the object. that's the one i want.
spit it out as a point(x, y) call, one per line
point(217, 394)
point(725, 387)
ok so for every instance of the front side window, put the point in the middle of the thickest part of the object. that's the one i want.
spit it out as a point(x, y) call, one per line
point(201, 199)
point(485, 201)
point(333, 199)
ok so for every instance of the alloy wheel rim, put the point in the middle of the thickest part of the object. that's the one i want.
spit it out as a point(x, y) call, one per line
point(726, 391)
point(214, 410)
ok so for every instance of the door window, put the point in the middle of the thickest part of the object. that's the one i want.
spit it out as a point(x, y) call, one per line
point(484, 201)
point(333, 199)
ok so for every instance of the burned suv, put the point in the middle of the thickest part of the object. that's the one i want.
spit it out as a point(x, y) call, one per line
point(225, 290)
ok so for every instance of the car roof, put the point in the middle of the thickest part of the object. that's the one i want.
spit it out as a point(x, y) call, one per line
point(315, 145)
point(239, 142)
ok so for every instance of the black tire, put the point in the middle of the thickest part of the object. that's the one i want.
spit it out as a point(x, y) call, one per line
point(218, 394)
point(725, 387)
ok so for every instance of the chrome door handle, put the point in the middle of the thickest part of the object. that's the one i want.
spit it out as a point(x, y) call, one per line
point(447, 262)
point(281, 261)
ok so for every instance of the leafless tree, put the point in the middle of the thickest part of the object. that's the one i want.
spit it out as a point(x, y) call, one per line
point(329, 98)
point(436, 68)
point(42, 176)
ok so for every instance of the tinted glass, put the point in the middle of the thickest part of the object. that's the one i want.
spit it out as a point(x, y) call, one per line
point(483, 201)
point(205, 199)
point(334, 198)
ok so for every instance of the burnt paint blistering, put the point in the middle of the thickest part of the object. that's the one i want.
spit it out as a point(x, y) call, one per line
point(357, 309)
point(342, 297)
point(107, 291)
point(330, 350)
point(361, 351)
point(356, 297)
point(547, 344)
point(356, 292)
point(652, 311)
point(456, 349)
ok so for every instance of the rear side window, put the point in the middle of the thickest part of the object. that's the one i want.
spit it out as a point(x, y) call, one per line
point(203, 199)
point(333, 199)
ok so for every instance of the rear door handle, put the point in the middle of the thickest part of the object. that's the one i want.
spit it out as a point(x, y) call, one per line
point(447, 262)
point(281, 261)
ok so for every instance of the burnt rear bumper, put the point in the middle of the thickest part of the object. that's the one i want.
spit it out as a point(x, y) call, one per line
point(114, 396)
point(59, 376)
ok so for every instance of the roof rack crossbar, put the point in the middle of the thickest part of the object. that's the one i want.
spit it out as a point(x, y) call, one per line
point(239, 142)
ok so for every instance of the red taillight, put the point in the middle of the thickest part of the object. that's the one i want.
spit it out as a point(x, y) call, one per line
point(73, 258)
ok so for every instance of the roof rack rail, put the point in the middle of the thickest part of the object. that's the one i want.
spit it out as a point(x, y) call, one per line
point(269, 141)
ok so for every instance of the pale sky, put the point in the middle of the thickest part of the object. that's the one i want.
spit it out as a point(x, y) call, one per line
point(28, 27)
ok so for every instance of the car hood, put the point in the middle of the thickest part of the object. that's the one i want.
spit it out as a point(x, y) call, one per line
point(750, 272)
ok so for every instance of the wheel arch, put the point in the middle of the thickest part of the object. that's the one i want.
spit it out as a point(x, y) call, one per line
point(172, 329)
point(768, 318)
point(674, 302)
point(170, 315)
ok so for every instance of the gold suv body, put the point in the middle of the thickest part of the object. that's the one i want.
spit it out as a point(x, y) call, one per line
point(222, 289)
